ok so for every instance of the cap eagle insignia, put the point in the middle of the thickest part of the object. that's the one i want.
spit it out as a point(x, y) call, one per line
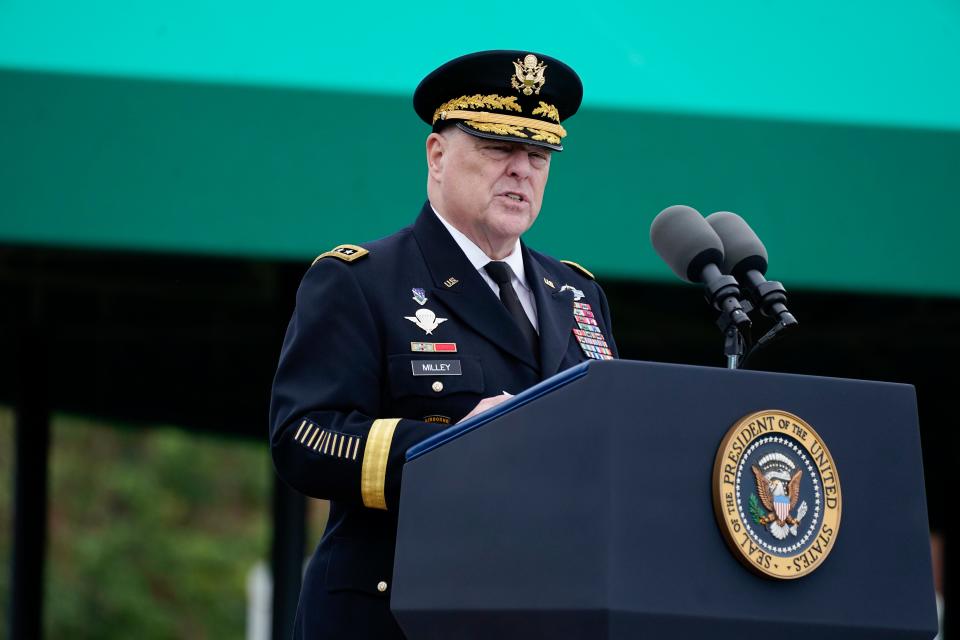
point(779, 488)
point(528, 76)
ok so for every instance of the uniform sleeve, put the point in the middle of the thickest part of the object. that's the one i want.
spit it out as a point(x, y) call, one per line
point(327, 434)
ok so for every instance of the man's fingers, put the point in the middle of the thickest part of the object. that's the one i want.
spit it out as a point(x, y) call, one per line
point(486, 404)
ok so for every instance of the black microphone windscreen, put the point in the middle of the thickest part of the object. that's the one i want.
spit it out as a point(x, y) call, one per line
point(742, 249)
point(685, 241)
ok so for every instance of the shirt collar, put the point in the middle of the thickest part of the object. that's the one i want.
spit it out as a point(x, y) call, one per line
point(478, 258)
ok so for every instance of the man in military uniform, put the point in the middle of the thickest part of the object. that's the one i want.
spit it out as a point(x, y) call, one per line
point(391, 341)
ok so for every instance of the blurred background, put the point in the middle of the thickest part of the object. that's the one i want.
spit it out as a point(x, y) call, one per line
point(168, 170)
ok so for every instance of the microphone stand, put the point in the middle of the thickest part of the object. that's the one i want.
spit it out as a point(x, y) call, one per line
point(734, 341)
point(723, 294)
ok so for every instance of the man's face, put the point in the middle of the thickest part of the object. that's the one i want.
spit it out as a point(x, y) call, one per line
point(490, 190)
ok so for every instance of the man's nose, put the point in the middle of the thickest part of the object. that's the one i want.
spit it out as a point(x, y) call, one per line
point(519, 165)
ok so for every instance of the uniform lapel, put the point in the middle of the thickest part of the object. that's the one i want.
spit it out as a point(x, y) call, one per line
point(554, 312)
point(461, 288)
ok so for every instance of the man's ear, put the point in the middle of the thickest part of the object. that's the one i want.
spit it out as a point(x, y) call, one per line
point(436, 149)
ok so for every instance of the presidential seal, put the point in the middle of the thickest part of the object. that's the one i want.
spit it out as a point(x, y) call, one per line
point(776, 494)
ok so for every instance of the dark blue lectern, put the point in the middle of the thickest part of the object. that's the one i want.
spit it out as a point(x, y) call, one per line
point(583, 509)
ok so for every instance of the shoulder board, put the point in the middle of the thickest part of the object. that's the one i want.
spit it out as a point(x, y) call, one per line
point(346, 252)
point(577, 267)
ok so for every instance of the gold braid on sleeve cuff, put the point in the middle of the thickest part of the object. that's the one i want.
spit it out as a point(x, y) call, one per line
point(373, 473)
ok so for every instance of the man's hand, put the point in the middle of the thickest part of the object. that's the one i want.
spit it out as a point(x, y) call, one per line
point(487, 403)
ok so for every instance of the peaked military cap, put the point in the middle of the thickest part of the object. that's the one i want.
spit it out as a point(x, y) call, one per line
point(510, 95)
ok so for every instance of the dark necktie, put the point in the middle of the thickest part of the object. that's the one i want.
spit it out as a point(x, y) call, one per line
point(500, 272)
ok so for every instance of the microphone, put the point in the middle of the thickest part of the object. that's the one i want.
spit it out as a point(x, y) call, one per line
point(694, 251)
point(745, 258)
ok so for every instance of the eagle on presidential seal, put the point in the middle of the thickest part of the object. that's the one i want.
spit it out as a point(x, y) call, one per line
point(778, 483)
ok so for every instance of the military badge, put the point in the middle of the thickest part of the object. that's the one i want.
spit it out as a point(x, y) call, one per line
point(419, 296)
point(776, 494)
point(426, 320)
point(577, 294)
point(528, 75)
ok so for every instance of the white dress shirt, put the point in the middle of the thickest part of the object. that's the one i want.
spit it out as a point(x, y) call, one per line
point(479, 260)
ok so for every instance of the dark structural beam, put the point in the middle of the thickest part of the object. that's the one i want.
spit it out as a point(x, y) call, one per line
point(32, 418)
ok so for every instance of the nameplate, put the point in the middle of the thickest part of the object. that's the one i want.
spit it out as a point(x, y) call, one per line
point(436, 367)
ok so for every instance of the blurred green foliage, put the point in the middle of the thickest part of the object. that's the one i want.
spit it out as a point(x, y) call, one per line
point(152, 531)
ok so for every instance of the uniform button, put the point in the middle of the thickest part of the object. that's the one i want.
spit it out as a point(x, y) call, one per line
point(381, 586)
point(437, 386)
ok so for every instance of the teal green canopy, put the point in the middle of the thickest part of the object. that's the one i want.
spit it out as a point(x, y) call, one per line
point(282, 130)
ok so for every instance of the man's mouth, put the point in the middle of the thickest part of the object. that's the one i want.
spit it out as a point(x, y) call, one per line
point(514, 196)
